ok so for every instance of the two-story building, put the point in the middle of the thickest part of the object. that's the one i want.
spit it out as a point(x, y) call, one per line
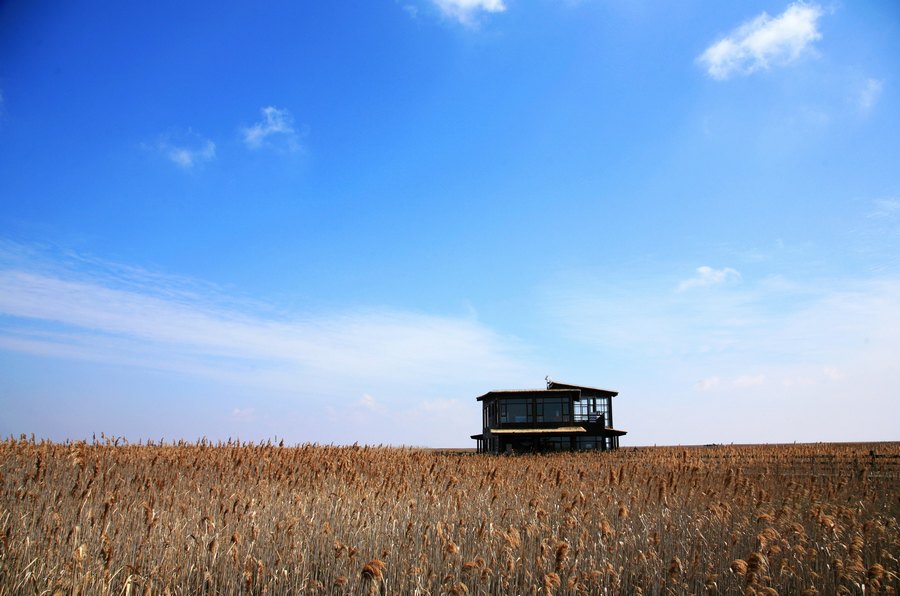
point(561, 417)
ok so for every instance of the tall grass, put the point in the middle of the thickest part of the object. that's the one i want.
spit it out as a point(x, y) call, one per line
point(235, 518)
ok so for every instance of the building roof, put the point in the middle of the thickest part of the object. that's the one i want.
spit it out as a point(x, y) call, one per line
point(558, 385)
point(507, 393)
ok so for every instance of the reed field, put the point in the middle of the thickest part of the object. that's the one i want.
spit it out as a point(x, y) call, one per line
point(234, 518)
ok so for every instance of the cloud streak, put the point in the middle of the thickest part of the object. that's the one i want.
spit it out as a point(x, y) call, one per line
point(186, 150)
point(276, 124)
point(772, 318)
point(110, 325)
point(242, 366)
point(774, 351)
point(468, 11)
point(159, 323)
point(870, 94)
point(707, 276)
point(763, 41)
point(885, 209)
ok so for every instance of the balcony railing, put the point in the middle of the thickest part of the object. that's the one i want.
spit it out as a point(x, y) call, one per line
point(591, 417)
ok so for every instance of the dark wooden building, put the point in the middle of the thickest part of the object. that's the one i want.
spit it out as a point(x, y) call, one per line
point(561, 417)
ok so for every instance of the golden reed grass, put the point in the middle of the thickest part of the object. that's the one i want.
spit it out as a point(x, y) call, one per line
point(235, 518)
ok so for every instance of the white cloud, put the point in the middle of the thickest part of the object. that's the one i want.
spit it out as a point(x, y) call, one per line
point(186, 150)
point(763, 41)
point(88, 311)
point(435, 422)
point(708, 383)
point(832, 373)
point(740, 382)
point(797, 381)
point(467, 11)
point(439, 406)
point(139, 325)
point(774, 318)
point(885, 209)
point(368, 402)
point(804, 343)
point(187, 158)
point(277, 123)
point(749, 380)
point(243, 414)
point(870, 93)
point(707, 276)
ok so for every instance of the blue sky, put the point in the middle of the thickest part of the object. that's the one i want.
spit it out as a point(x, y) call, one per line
point(343, 221)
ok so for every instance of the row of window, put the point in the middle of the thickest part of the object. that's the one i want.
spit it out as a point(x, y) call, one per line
point(580, 443)
point(594, 410)
point(526, 410)
point(492, 444)
point(529, 410)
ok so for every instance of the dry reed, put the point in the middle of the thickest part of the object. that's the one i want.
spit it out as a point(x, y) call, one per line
point(235, 518)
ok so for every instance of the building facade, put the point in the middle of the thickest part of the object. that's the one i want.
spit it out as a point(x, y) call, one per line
point(561, 417)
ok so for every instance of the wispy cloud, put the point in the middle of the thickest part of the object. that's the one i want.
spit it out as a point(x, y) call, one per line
point(468, 11)
point(63, 309)
point(771, 351)
point(708, 384)
point(885, 209)
point(764, 41)
point(243, 414)
point(276, 124)
point(186, 150)
point(707, 276)
point(833, 373)
point(739, 382)
point(870, 94)
point(773, 317)
point(749, 380)
point(368, 402)
point(133, 328)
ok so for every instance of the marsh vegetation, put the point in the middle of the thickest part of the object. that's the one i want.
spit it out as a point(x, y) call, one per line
point(233, 518)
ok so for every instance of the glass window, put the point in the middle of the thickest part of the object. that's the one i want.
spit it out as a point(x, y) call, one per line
point(555, 444)
point(587, 443)
point(491, 414)
point(591, 409)
point(515, 410)
point(554, 409)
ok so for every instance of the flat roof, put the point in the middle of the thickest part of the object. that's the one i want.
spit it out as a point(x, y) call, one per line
point(561, 385)
point(507, 393)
